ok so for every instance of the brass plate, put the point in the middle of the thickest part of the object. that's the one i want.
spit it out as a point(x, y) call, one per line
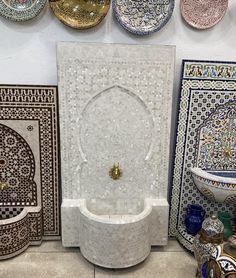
point(80, 14)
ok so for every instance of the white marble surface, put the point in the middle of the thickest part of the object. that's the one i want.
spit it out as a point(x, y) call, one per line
point(115, 109)
point(70, 217)
point(114, 240)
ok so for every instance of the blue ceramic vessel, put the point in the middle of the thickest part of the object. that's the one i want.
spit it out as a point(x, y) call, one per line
point(194, 218)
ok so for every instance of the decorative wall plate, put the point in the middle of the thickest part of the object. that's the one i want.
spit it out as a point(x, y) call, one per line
point(21, 10)
point(203, 14)
point(80, 14)
point(222, 262)
point(29, 167)
point(143, 17)
point(207, 87)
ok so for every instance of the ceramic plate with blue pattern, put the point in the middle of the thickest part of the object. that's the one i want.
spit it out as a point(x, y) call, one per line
point(21, 10)
point(143, 17)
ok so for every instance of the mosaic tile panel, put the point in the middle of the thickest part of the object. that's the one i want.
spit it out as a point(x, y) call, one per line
point(217, 137)
point(115, 109)
point(207, 89)
point(29, 162)
point(17, 166)
point(8, 212)
point(16, 236)
point(109, 93)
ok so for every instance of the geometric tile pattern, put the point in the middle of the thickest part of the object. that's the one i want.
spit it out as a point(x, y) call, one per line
point(29, 164)
point(17, 166)
point(8, 212)
point(216, 139)
point(17, 236)
point(129, 90)
point(205, 87)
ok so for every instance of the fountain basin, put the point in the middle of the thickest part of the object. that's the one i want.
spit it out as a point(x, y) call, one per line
point(219, 186)
point(19, 228)
point(115, 233)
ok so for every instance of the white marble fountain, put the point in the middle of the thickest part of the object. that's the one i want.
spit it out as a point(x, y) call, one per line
point(115, 107)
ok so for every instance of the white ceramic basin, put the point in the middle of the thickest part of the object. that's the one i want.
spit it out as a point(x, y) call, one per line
point(219, 186)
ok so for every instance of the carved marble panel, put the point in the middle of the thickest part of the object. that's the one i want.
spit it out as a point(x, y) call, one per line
point(115, 104)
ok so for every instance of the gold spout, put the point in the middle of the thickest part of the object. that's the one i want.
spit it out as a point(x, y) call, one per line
point(3, 185)
point(227, 152)
point(115, 172)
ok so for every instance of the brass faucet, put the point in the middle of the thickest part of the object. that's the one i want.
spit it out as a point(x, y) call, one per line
point(3, 185)
point(115, 172)
point(227, 152)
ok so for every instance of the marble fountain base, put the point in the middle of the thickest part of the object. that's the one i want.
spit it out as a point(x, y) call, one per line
point(115, 233)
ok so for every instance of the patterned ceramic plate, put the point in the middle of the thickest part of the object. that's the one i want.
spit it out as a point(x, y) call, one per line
point(143, 17)
point(80, 14)
point(21, 10)
point(203, 14)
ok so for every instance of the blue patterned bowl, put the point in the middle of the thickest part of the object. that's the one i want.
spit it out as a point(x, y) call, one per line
point(143, 17)
point(218, 186)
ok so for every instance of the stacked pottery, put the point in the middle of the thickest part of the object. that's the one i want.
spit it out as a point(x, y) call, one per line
point(205, 241)
point(222, 262)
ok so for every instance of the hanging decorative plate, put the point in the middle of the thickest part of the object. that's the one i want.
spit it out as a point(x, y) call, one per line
point(203, 14)
point(80, 14)
point(143, 17)
point(21, 10)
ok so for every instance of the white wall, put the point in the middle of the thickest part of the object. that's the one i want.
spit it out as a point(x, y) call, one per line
point(28, 50)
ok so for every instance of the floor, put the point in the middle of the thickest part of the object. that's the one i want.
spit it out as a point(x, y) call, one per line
point(52, 260)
